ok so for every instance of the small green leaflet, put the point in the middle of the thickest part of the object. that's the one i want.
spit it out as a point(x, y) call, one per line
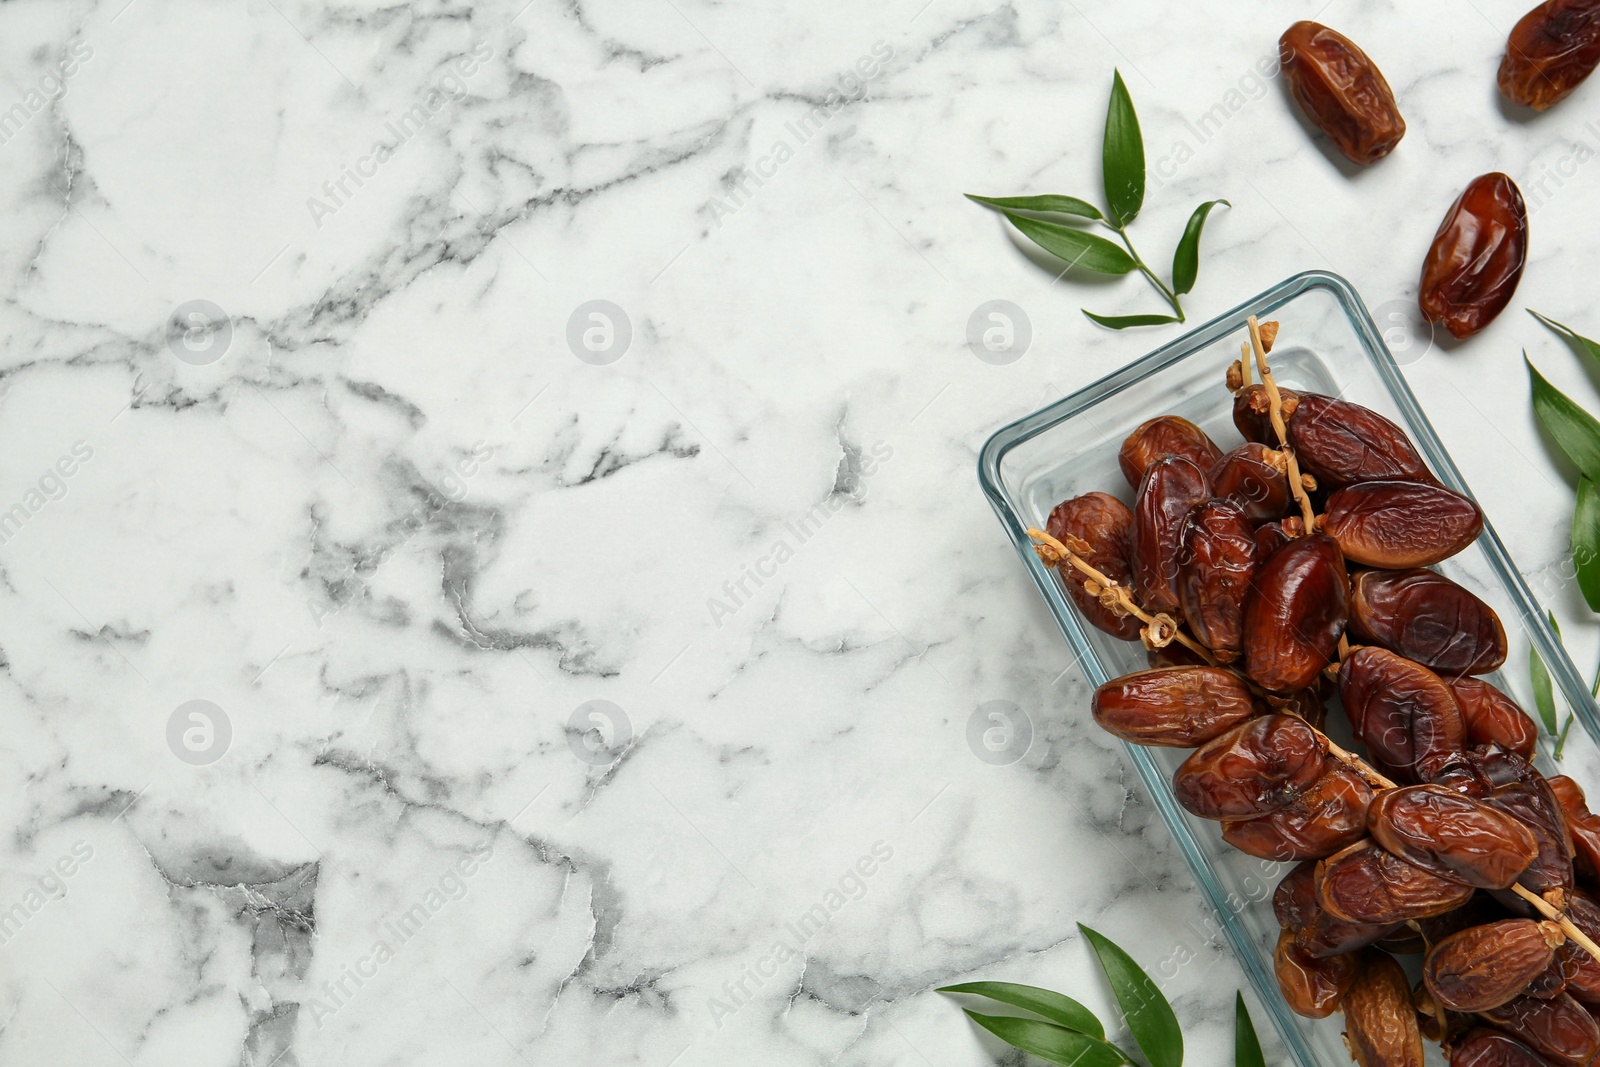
point(1055, 1044)
point(1572, 337)
point(1574, 429)
point(1586, 540)
point(1186, 260)
point(1078, 248)
point(1543, 697)
point(1049, 204)
point(1122, 161)
point(1059, 1009)
point(1148, 1015)
point(1122, 322)
point(1246, 1049)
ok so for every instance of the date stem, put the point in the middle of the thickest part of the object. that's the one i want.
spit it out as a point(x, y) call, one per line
point(1166, 291)
point(1159, 630)
point(1555, 915)
point(1275, 400)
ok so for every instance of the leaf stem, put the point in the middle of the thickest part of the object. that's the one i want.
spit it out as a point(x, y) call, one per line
point(1165, 290)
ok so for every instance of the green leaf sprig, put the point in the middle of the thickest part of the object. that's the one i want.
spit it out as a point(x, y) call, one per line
point(1123, 173)
point(1069, 1034)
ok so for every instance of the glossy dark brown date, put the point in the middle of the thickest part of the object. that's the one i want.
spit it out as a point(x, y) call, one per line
point(1368, 884)
point(1252, 413)
point(1340, 443)
point(1312, 986)
point(1484, 1046)
point(1330, 815)
point(1493, 718)
point(1403, 712)
point(1254, 769)
point(1171, 486)
point(1216, 569)
point(1105, 524)
point(1452, 835)
point(1295, 905)
point(1380, 1023)
point(1293, 621)
point(1477, 257)
point(1486, 966)
point(1253, 477)
point(1559, 1029)
point(1550, 52)
point(1582, 824)
point(1401, 525)
point(1341, 91)
point(1426, 617)
point(1176, 707)
point(1166, 435)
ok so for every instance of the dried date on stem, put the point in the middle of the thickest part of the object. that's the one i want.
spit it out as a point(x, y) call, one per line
point(1254, 769)
point(1251, 413)
point(1400, 525)
point(1217, 565)
point(1484, 1046)
point(1550, 52)
point(1380, 1024)
point(1426, 617)
point(1172, 485)
point(1328, 816)
point(1368, 884)
point(1105, 525)
point(1340, 443)
point(1582, 824)
point(1486, 966)
point(1581, 970)
point(1493, 718)
point(1174, 707)
point(1559, 1029)
point(1293, 621)
point(1165, 435)
point(1452, 835)
point(1295, 905)
point(1254, 477)
point(1403, 712)
point(1311, 986)
point(1477, 257)
point(1341, 91)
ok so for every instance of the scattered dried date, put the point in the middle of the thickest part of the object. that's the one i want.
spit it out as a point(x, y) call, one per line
point(1368, 884)
point(1330, 815)
point(1403, 712)
point(1340, 443)
point(1559, 1029)
point(1484, 1046)
point(1341, 91)
point(1477, 257)
point(1493, 718)
point(1551, 50)
point(1312, 986)
point(1253, 476)
point(1380, 1025)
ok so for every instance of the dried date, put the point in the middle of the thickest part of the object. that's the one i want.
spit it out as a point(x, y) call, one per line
point(1428, 618)
point(1341, 91)
point(1312, 986)
point(1105, 524)
point(1166, 435)
point(1254, 769)
point(1380, 1024)
point(1254, 477)
point(1477, 257)
point(1252, 413)
point(1582, 824)
point(1215, 571)
point(1483, 1046)
point(1403, 712)
point(1493, 718)
point(1176, 707)
point(1294, 618)
point(1340, 443)
point(1581, 970)
point(1294, 903)
point(1452, 836)
point(1559, 1029)
point(1368, 884)
point(1550, 52)
point(1171, 486)
point(1400, 525)
point(1328, 816)
point(1486, 966)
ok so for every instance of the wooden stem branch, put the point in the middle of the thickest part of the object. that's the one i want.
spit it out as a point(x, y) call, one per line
point(1160, 629)
point(1275, 400)
point(1555, 915)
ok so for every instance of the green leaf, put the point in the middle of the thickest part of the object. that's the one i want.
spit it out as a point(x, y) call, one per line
point(1574, 429)
point(1122, 163)
point(1561, 738)
point(1246, 1049)
point(1059, 1009)
point(1543, 698)
point(1149, 1016)
point(1186, 260)
point(1122, 322)
point(1586, 541)
point(1055, 1044)
point(1571, 336)
point(1073, 245)
point(1049, 204)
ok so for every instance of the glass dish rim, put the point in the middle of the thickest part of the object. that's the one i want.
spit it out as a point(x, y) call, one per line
point(1533, 618)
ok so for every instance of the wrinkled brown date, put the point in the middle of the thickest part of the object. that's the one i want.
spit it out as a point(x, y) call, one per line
point(1274, 535)
point(1559, 1029)
point(1581, 970)
point(1254, 769)
point(1252, 413)
point(1452, 835)
point(1328, 816)
point(1400, 525)
point(1477, 257)
point(1493, 718)
point(1215, 569)
point(1368, 884)
point(1341, 91)
point(1175, 707)
point(1486, 966)
point(1340, 443)
point(1105, 524)
point(1486, 1047)
point(1507, 783)
point(1172, 485)
point(1254, 477)
point(1380, 1025)
point(1550, 52)
point(1426, 617)
point(1312, 986)
point(1293, 621)
point(1294, 904)
point(1582, 824)
point(1402, 712)
point(1166, 435)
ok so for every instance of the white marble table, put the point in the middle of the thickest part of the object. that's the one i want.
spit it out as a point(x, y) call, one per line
point(398, 537)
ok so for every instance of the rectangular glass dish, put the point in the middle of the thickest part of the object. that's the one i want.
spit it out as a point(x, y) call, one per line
point(1328, 344)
